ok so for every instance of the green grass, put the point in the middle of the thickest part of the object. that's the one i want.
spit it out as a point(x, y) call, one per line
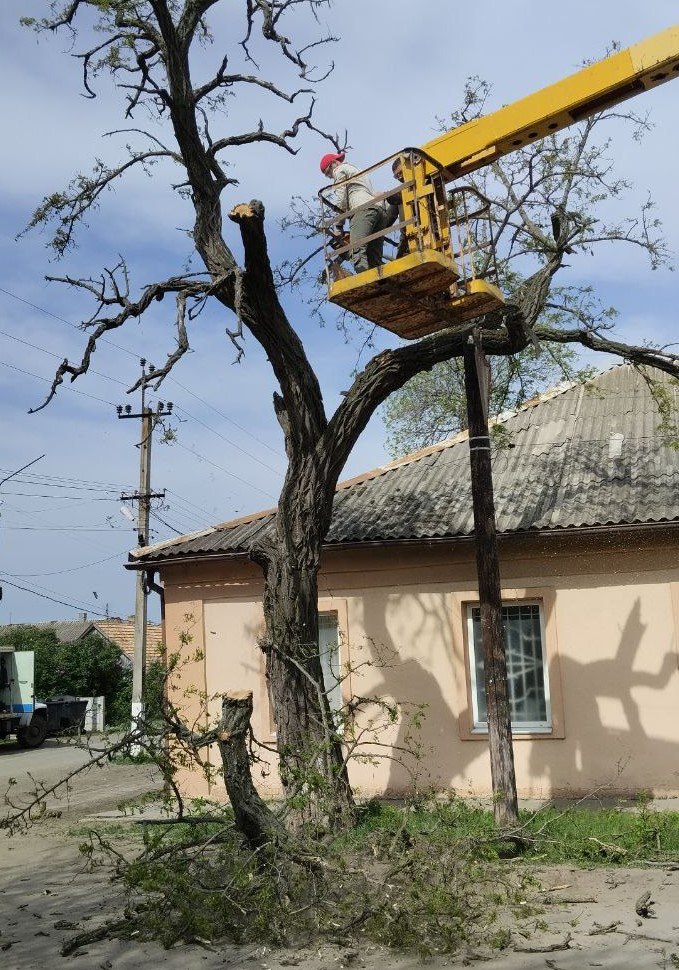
point(581, 836)
point(143, 758)
point(603, 836)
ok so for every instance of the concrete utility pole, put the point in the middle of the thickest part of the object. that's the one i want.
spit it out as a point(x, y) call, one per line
point(149, 419)
point(477, 385)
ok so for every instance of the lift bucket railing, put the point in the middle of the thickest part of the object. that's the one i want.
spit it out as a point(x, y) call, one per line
point(472, 235)
point(421, 214)
point(340, 243)
point(422, 259)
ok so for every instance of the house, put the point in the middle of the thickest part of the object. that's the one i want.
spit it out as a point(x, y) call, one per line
point(586, 484)
point(114, 630)
point(121, 634)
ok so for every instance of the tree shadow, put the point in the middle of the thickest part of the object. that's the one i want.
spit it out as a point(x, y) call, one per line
point(607, 727)
point(420, 678)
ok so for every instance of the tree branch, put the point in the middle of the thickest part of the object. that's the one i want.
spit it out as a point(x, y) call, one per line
point(69, 208)
point(108, 292)
point(656, 357)
point(261, 311)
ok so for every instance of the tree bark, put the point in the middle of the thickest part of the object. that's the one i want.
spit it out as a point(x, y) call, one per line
point(312, 767)
point(253, 819)
point(490, 599)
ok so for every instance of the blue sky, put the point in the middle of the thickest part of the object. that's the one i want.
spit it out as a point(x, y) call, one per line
point(399, 66)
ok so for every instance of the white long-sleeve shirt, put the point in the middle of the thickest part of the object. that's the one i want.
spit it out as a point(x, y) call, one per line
point(354, 191)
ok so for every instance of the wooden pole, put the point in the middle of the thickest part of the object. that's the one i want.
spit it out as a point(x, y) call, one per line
point(477, 386)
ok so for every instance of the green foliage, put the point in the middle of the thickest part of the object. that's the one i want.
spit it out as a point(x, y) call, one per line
point(410, 879)
point(558, 195)
point(432, 405)
point(429, 877)
point(602, 836)
point(154, 685)
point(581, 836)
point(118, 712)
point(91, 667)
point(666, 397)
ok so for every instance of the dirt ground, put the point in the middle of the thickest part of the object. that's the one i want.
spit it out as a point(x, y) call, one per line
point(46, 896)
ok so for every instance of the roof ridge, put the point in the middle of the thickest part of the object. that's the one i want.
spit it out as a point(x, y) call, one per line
point(501, 418)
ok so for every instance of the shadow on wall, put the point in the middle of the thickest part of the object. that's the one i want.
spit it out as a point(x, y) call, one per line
point(604, 729)
point(420, 678)
point(605, 736)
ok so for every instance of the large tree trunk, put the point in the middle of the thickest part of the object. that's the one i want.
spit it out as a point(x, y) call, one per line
point(312, 767)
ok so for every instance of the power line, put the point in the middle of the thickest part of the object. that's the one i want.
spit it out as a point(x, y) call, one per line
point(73, 569)
point(80, 488)
point(22, 469)
point(190, 505)
point(166, 524)
point(49, 353)
point(130, 353)
point(52, 599)
point(233, 444)
point(193, 417)
point(186, 522)
point(62, 498)
point(46, 380)
point(53, 528)
point(52, 509)
point(225, 470)
point(68, 323)
point(46, 482)
point(226, 417)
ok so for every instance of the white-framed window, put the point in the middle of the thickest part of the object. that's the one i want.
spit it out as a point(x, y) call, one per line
point(329, 650)
point(527, 672)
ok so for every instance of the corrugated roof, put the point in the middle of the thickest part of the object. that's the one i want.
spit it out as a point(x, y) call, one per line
point(581, 455)
point(66, 631)
point(121, 633)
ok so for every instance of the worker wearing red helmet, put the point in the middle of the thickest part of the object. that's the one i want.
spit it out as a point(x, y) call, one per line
point(354, 191)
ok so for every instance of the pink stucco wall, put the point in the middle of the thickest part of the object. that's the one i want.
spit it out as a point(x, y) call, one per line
point(611, 620)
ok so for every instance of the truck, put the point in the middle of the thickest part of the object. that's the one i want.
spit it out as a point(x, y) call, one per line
point(20, 714)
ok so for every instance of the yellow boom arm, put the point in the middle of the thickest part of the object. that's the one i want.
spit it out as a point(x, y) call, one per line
point(592, 89)
point(435, 283)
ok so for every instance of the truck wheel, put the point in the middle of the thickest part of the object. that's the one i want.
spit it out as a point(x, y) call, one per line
point(32, 735)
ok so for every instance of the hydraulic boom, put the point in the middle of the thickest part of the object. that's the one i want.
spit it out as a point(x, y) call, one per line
point(434, 285)
point(594, 88)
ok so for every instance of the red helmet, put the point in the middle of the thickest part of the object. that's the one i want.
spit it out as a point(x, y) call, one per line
point(327, 161)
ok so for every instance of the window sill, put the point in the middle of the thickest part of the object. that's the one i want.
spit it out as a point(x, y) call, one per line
point(530, 734)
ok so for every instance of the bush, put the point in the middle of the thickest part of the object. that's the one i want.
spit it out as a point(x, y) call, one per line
point(118, 711)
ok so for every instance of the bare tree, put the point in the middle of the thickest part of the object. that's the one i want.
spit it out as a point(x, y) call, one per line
point(147, 46)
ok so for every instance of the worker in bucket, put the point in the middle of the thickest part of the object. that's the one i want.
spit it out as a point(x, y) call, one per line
point(354, 190)
point(394, 210)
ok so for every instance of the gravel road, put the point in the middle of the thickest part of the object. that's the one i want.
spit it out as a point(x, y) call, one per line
point(98, 788)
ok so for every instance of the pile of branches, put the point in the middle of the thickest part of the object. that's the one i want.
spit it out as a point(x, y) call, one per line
point(423, 890)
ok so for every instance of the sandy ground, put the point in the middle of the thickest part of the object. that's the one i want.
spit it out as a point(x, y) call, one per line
point(46, 896)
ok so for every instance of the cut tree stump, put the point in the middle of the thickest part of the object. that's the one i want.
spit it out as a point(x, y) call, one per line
point(253, 818)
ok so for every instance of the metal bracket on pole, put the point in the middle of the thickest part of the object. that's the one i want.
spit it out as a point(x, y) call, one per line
point(149, 418)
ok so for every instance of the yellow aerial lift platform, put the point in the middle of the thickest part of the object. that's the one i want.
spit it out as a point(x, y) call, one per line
point(434, 284)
